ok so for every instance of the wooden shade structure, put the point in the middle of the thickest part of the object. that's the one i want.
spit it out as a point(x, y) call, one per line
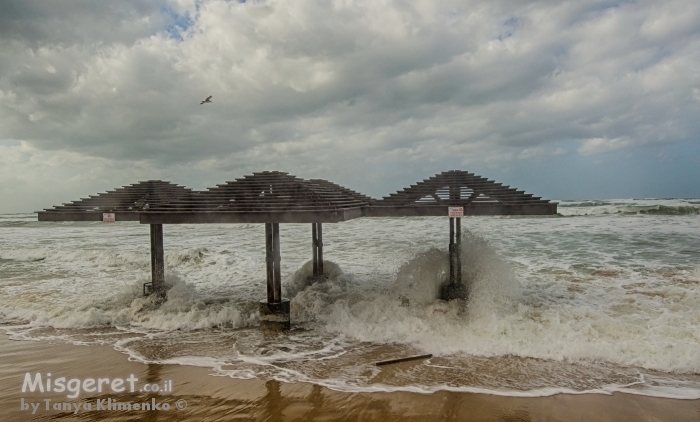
point(269, 197)
point(126, 203)
point(273, 197)
point(266, 197)
point(471, 195)
point(456, 188)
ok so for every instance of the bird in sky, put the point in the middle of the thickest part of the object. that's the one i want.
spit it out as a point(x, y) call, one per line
point(208, 100)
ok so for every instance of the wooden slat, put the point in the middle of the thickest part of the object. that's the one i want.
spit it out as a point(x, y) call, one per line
point(280, 197)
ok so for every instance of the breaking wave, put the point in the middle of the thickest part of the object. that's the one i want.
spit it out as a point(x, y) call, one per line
point(629, 207)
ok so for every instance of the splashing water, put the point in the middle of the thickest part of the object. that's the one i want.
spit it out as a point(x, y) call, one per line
point(599, 303)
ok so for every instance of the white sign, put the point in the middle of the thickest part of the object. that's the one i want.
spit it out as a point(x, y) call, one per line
point(455, 212)
point(108, 217)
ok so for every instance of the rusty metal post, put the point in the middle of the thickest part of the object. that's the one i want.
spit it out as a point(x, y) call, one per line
point(157, 260)
point(314, 248)
point(269, 263)
point(319, 232)
point(277, 297)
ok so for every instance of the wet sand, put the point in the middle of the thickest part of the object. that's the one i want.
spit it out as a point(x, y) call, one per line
point(215, 398)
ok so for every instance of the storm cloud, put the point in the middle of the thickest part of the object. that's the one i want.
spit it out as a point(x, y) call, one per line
point(371, 94)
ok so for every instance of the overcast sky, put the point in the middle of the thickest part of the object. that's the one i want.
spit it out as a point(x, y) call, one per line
point(564, 99)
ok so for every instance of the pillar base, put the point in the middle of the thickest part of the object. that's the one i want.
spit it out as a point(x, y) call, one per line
point(450, 291)
point(275, 316)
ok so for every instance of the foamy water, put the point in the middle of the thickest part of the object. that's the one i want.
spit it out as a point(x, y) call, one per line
point(603, 298)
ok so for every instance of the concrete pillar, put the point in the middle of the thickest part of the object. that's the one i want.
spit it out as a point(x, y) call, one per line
point(275, 316)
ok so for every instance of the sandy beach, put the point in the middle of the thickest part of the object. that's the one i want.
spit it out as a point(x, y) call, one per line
point(214, 398)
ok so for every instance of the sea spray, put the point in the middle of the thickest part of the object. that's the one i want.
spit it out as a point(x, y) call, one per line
point(424, 320)
point(601, 302)
point(488, 277)
point(183, 309)
point(629, 207)
point(310, 294)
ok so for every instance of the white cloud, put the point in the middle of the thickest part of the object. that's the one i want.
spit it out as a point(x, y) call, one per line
point(601, 145)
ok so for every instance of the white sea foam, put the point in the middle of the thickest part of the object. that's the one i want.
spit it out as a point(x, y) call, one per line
point(630, 206)
point(610, 292)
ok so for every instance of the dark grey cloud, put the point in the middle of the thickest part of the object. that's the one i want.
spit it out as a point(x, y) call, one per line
point(68, 22)
point(357, 90)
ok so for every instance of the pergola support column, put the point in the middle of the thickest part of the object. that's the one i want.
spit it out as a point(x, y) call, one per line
point(157, 284)
point(455, 288)
point(275, 311)
point(317, 248)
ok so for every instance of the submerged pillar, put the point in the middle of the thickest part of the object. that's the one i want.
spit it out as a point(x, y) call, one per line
point(314, 249)
point(458, 250)
point(317, 248)
point(275, 311)
point(277, 259)
point(157, 284)
point(451, 251)
point(455, 288)
point(319, 232)
point(269, 263)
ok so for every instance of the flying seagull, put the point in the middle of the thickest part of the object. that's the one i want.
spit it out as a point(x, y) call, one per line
point(208, 100)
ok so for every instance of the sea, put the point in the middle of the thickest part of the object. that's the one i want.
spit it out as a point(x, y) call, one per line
point(603, 297)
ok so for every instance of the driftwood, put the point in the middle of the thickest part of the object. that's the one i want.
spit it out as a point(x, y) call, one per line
point(390, 361)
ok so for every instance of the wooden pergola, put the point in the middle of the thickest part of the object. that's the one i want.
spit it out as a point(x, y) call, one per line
point(455, 194)
point(125, 204)
point(273, 197)
point(270, 198)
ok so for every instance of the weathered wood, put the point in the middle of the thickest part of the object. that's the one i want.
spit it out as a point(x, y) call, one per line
point(314, 249)
point(451, 251)
point(471, 210)
point(458, 250)
point(319, 233)
point(277, 294)
point(85, 216)
point(276, 197)
point(250, 217)
point(269, 263)
point(157, 260)
point(406, 359)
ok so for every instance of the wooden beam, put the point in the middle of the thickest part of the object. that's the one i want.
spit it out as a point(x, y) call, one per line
point(157, 260)
point(319, 232)
point(458, 250)
point(280, 216)
point(314, 249)
point(269, 263)
point(451, 249)
point(537, 208)
point(406, 359)
point(85, 216)
point(277, 294)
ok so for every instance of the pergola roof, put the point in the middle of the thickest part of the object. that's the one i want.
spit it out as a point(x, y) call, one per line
point(126, 202)
point(277, 197)
point(267, 197)
point(456, 188)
